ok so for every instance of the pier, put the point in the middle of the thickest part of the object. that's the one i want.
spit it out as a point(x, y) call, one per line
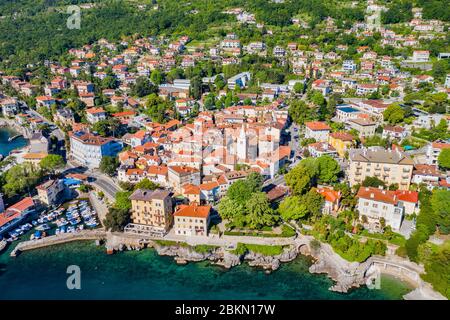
point(14, 137)
point(58, 239)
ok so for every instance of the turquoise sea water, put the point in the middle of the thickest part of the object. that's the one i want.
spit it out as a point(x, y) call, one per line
point(5, 145)
point(41, 274)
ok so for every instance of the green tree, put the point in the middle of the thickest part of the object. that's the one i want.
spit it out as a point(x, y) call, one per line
point(298, 87)
point(110, 82)
point(313, 201)
point(298, 179)
point(394, 114)
point(440, 69)
point(116, 219)
point(20, 179)
point(444, 159)
point(157, 77)
point(291, 208)
point(108, 165)
point(328, 169)
point(143, 87)
point(259, 212)
point(440, 203)
point(300, 112)
point(229, 209)
point(52, 162)
point(373, 182)
point(219, 82)
point(123, 200)
point(146, 184)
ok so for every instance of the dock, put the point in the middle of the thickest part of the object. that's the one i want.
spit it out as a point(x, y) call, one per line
point(58, 239)
point(14, 137)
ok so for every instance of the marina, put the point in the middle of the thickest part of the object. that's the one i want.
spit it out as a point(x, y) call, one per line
point(78, 216)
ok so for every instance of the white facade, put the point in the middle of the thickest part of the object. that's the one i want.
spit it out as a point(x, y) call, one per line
point(374, 210)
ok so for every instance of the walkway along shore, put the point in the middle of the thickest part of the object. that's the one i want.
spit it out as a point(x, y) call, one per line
point(346, 274)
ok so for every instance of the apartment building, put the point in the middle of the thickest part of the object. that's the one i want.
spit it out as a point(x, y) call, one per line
point(192, 220)
point(317, 130)
point(94, 115)
point(375, 204)
point(341, 141)
point(152, 208)
point(89, 149)
point(365, 127)
point(433, 151)
point(49, 192)
point(391, 166)
point(178, 176)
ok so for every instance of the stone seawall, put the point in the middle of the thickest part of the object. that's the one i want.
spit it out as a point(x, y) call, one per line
point(58, 239)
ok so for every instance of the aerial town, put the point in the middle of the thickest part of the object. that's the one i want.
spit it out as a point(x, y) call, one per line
point(177, 139)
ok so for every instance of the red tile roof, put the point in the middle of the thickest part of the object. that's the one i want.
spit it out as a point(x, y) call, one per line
point(193, 210)
point(407, 196)
point(376, 194)
point(317, 126)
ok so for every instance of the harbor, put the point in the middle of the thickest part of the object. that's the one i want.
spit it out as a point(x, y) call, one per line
point(10, 140)
point(70, 218)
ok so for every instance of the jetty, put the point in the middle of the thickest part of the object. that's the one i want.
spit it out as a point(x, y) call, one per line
point(14, 137)
point(58, 239)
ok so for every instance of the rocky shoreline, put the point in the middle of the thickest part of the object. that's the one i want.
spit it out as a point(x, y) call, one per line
point(346, 275)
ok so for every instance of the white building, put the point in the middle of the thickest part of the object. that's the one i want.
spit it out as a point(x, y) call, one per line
point(317, 130)
point(240, 80)
point(192, 220)
point(433, 151)
point(94, 115)
point(349, 66)
point(421, 56)
point(375, 204)
point(89, 149)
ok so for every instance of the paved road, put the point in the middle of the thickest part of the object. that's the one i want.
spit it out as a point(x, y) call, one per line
point(103, 182)
point(99, 206)
point(58, 133)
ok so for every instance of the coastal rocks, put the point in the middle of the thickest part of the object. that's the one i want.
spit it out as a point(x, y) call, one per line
point(346, 274)
point(228, 260)
point(270, 262)
point(182, 253)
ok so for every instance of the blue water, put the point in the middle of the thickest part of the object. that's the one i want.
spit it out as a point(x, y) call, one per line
point(6, 146)
point(145, 275)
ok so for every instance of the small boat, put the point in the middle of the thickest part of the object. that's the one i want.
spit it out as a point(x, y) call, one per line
point(42, 227)
point(34, 223)
point(80, 227)
point(70, 229)
point(3, 244)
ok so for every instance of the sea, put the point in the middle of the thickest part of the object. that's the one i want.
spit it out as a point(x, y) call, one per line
point(7, 146)
point(42, 274)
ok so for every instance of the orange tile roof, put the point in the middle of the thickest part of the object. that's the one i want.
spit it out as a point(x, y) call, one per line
point(330, 195)
point(408, 196)
point(22, 205)
point(34, 156)
point(183, 169)
point(317, 125)
point(95, 110)
point(191, 189)
point(160, 170)
point(124, 113)
point(209, 186)
point(376, 194)
point(193, 210)
point(344, 136)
